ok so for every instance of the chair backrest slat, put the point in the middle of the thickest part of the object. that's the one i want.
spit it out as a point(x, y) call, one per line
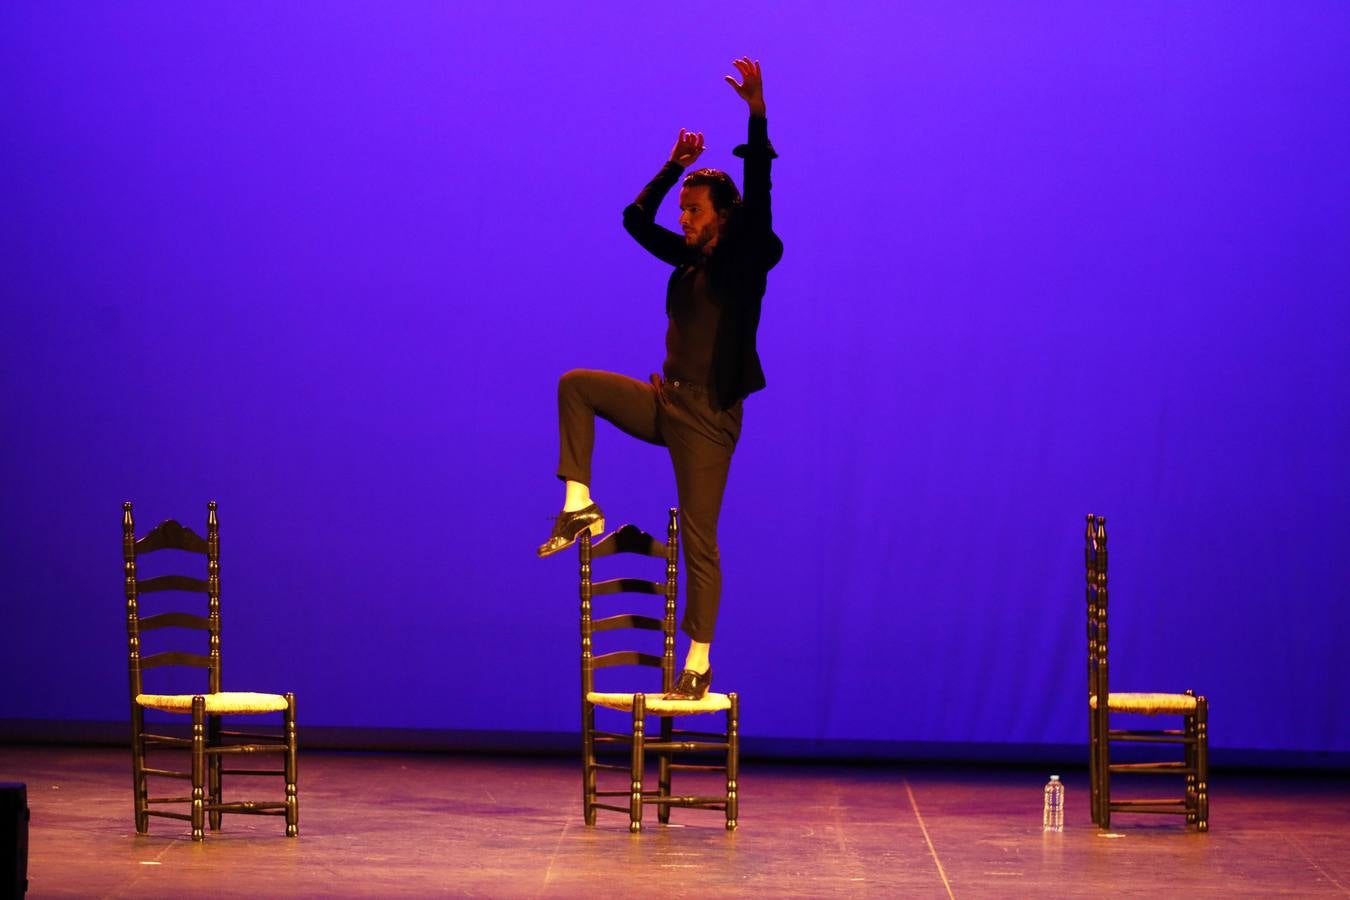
point(175, 620)
point(170, 535)
point(627, 620)
point(175, 658)
point(628, 539)
point(626, 658)
point(173, 583)
point(627, 586)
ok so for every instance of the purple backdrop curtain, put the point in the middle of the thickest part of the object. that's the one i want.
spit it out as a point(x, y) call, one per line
point(324, 262)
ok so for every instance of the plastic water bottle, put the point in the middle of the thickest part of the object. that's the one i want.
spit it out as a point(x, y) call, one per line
point(1052, 816)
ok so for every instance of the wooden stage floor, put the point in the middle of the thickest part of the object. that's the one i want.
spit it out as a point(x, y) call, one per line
point(419, 825)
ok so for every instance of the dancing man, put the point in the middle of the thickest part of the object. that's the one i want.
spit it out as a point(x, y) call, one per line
point(721, 266)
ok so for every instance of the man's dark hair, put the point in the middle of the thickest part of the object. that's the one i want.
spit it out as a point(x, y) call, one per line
point(721, 189)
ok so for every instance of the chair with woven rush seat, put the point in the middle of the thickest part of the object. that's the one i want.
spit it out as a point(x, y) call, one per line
point(208, 743)
point(1193, 736)
point(627, 629)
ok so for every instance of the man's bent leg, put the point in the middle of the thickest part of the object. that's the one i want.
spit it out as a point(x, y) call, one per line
point(584, 394)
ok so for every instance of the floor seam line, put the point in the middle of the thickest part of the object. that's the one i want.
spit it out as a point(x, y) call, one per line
point(548, 872)
point(942, 873)
point(1312, 862)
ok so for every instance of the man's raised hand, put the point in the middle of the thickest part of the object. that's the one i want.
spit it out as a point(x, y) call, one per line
point(688, 146)
point(751, 86)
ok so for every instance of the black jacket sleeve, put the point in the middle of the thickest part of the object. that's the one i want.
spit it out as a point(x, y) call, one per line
point(761, 242)
point(639, 218)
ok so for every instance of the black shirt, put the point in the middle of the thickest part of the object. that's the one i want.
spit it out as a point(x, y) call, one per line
point(691, 332)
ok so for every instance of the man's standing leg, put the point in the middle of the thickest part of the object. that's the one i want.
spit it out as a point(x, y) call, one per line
point(701, 443)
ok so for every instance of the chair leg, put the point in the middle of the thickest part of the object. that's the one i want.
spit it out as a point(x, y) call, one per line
point(198, 767)
point(292, 773)
point(733, 759)
point(1100, 763)
point(1104, 769)
point(1192, 770)
point(639, 727)
point(139, 788)
point(588, 798)
point(213, 771)
point(1094, 800)
point(663, 759)
point(1202, 763)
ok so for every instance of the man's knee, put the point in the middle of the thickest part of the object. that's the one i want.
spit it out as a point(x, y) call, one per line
point(573, 384)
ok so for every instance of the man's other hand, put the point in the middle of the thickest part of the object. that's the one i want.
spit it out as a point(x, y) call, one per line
point(688, 147)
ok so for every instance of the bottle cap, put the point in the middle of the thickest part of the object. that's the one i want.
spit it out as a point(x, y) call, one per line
point(1054, 778)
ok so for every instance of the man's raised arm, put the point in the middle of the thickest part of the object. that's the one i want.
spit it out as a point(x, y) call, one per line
point(758, 154)
point(639, 217)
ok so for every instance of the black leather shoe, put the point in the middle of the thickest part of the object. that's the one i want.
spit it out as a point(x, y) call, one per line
point(691, 685)
point(569, 526)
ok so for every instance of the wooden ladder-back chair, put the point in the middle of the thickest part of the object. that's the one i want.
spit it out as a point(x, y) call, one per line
point(1193, 736)
point(208, 744)
point(669, 741)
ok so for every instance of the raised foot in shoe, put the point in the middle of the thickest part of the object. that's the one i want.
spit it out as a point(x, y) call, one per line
point(569, 526)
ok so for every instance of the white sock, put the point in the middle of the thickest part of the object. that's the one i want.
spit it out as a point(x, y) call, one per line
point(578, 496)
point(698, 653)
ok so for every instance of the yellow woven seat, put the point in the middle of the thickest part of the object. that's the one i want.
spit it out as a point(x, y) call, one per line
point(1148, 704)
point(224, 703)
point(658, 705)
